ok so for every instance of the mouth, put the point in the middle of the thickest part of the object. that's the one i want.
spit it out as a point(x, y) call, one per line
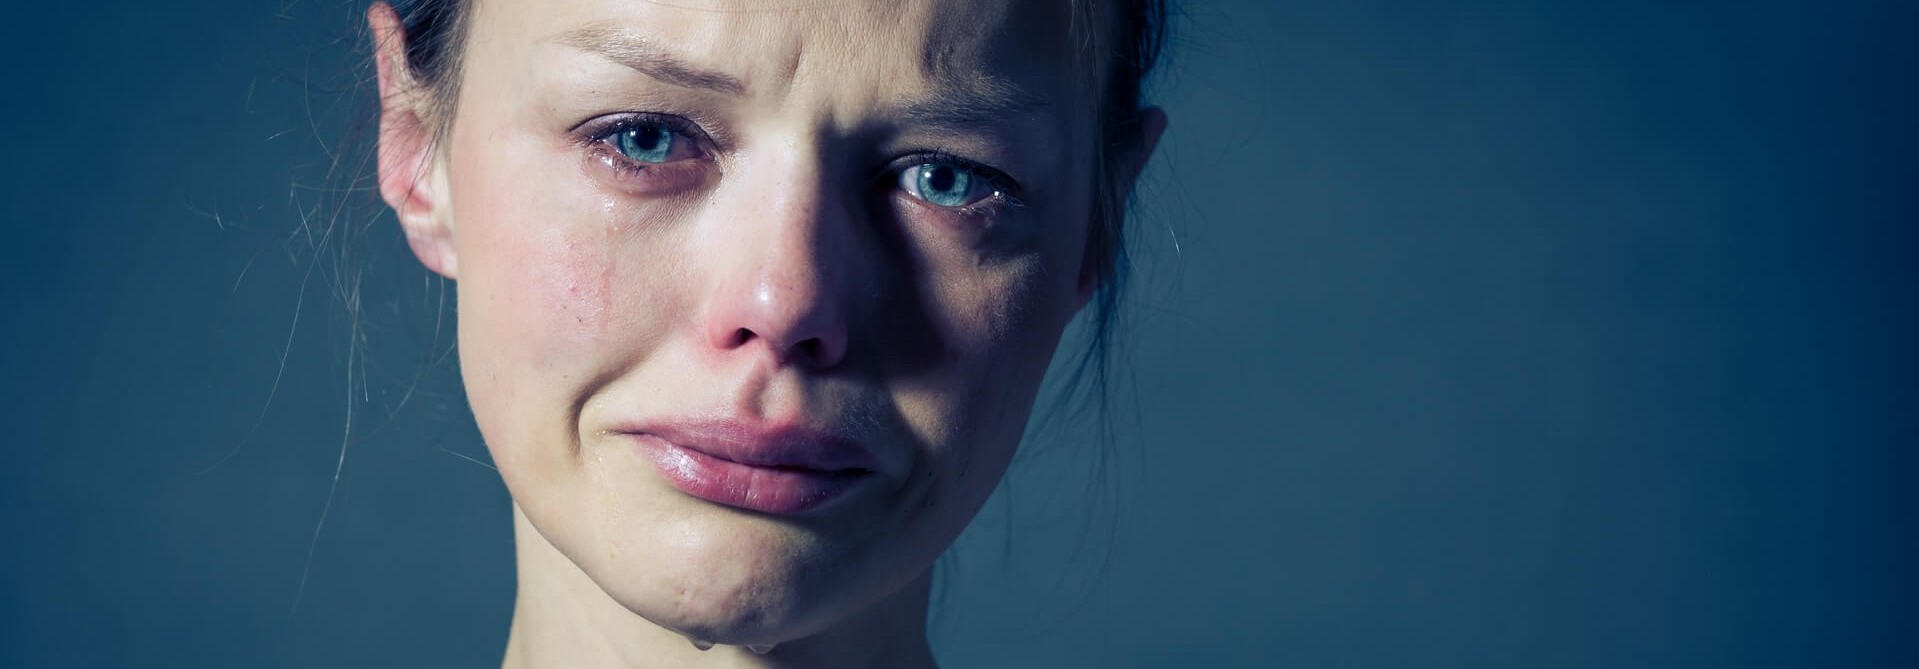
point(778, 471)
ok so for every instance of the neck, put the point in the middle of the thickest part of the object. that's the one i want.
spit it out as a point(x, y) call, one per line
point(561, 618)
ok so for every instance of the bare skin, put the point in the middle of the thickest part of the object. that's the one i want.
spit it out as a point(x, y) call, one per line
point(865, 219)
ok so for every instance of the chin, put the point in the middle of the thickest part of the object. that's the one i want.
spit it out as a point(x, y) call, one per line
point(733, 578)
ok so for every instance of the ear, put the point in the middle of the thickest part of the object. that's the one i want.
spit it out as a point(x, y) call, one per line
point(1129, 165)
point(411, 178)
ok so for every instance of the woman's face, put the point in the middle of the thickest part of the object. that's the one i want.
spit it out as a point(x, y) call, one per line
point(754, 300)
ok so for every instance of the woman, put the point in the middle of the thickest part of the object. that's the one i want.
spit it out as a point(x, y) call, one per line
point(755, 297)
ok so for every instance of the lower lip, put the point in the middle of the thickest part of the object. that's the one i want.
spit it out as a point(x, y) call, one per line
point(774, 490)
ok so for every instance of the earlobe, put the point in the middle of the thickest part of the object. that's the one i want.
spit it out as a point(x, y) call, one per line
point(409, 170)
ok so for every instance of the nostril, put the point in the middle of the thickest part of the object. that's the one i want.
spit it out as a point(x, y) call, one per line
point(812, 350)
point(740, 337)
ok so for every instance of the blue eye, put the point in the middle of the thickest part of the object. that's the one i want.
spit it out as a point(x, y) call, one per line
point(945, 184)
point(646, 142)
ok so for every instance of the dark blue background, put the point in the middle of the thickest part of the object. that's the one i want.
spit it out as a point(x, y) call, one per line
point(1467, 334)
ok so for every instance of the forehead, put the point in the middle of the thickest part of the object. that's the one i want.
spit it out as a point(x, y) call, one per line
point(875, 51)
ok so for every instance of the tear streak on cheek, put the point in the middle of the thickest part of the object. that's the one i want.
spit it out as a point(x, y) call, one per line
point(575, 280)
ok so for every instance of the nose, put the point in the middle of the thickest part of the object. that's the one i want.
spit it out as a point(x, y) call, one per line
point(784, 274)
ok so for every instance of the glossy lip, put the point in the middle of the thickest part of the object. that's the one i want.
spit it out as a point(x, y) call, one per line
point(781, 470)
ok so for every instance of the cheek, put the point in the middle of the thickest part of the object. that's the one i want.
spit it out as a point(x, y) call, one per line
point(538, 293)
point(558, 288)
point(1002, 314)
point(529, 295)
point(562, 273)
point(1000, 318)
point(1001, 330)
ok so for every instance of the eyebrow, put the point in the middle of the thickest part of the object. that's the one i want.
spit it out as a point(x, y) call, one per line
point(966, 105)
point(975, 105)
point(648, 58)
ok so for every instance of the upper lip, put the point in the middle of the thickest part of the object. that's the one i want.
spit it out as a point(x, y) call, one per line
point(760, 444)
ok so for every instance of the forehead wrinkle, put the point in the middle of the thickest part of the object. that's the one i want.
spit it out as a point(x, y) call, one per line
point(974, 71)
point(647, 57)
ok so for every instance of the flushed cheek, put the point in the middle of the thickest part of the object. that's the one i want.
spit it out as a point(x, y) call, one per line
point(574, 287)
point(540, 299)
point(512, 325)
point(531, 304)
point(573, 277)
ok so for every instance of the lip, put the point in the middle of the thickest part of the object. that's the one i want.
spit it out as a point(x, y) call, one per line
point(780, 470)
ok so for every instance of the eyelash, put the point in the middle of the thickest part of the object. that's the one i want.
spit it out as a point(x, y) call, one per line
point(1005, 189)
point(595, 135)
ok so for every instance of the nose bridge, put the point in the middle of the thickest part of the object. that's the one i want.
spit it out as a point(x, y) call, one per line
point(782, 286)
